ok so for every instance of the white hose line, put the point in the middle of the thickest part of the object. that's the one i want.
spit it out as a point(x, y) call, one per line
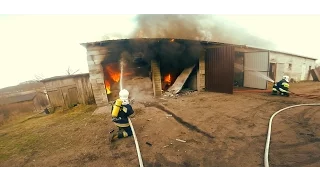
point(134, 134)
point(266, 151)
point(136, 142)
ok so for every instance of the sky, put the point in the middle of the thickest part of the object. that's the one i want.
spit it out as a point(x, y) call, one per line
point(47, 45)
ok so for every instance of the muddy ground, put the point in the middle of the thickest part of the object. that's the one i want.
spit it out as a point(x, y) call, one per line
point(219, 129)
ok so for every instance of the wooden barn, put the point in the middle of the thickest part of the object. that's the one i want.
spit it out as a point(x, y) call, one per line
point(70, 90)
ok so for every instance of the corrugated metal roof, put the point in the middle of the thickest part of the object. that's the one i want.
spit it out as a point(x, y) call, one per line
point(63, 77)
point(19, 98)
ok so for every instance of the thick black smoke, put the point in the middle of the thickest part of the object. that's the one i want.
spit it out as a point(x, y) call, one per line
point(194, 27)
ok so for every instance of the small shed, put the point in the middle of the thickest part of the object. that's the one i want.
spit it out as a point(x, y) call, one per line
point(33, 102)
point(70, 90)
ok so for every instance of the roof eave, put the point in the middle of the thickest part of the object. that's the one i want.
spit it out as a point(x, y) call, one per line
point(252, 47)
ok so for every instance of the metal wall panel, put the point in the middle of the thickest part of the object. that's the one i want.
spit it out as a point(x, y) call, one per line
point(253, 81)
point(219, 69)
point(257, 61)
point(256, 65)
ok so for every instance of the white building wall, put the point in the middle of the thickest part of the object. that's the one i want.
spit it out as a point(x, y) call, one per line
point(299, 66)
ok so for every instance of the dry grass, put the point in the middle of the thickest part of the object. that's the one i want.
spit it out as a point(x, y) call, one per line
point(59, 139)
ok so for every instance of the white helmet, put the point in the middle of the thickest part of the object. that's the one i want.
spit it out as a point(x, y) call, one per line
point(124, 94)
point(286, 78)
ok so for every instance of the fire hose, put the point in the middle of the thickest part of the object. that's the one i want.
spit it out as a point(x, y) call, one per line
point(266, 152)
point(308, 96)
point(136, 143)
point(133, 132)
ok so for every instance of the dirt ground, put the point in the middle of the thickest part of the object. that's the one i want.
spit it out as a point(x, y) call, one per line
point(220, 130)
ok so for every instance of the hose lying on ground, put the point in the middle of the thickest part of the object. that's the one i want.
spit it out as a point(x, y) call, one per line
point(136, 143)
point(308, 96)
point(266, 152)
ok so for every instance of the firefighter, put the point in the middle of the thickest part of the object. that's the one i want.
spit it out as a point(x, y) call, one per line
point(121, 111)
point(282, 87)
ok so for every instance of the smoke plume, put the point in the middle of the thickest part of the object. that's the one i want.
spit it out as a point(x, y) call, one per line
point(174, 54)
point(195, 27)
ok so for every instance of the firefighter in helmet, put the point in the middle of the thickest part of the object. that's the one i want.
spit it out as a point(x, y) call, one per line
point(121, 111)
point(282, 87)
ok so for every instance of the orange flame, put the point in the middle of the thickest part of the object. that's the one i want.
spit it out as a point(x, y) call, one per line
point(172, 40)
point(108, 86)
point(115, 75)
point(167, 79)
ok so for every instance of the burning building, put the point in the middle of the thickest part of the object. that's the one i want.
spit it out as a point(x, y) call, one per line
point(151, 66)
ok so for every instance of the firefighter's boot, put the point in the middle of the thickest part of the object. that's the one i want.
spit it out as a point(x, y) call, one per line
point(113, 136)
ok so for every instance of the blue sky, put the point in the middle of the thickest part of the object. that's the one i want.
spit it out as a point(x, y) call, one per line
point(47, 45)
